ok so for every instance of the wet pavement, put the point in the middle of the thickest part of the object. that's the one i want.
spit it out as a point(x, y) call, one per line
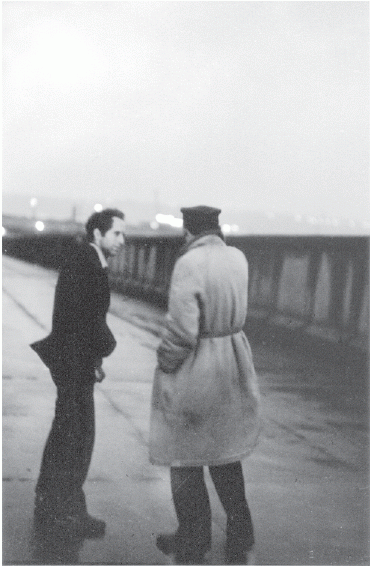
point(306, 482)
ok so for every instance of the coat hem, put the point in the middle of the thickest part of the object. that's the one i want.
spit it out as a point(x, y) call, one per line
point(200, 462)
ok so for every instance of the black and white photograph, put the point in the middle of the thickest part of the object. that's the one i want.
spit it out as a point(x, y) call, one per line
point(185, 282)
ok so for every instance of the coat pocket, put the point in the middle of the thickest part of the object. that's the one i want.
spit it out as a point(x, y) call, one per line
point(188, 393)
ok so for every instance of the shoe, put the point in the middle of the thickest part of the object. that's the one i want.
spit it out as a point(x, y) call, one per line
point(93, 528)
point(184, 557)
point(169, 544)
point(241, 556)
point(90, 527)
point(69, 526)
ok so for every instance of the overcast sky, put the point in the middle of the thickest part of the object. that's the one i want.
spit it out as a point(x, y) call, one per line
point(253, 105)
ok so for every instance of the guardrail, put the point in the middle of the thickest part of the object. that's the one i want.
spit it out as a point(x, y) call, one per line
point(318, 286)
point(145, 265)
point(313, 286)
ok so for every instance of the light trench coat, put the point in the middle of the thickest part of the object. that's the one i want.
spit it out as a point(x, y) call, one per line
point(205, 397)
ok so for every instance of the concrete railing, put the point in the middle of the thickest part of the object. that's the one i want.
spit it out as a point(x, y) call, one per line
point(318, 285)
point(145, 265)
point(313, 286)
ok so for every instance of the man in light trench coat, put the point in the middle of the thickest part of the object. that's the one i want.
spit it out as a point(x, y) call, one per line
point(205, 398)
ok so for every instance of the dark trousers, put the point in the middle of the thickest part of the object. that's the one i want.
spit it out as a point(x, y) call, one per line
point(191, 501)
point(68, 450)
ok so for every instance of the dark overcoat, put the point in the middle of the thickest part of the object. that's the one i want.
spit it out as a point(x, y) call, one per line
point(80, 336)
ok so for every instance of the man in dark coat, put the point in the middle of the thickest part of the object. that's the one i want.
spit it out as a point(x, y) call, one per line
point(74, 351)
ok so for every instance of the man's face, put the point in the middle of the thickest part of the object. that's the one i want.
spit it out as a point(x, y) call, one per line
point(113, 239)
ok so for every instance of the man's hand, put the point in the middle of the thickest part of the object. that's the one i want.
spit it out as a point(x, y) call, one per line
point(99, 374)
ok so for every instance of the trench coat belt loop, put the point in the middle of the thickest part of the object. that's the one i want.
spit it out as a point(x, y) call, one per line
point(219, 335)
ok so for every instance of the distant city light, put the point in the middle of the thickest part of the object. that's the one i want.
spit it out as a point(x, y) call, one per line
point(312, 220)
point(3, 231)
point(33, 203)
point(226, 228)
point(98, 207)
point(169, 219)
point(40, 226)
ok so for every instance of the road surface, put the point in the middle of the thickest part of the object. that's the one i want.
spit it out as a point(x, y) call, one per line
point(306, 482)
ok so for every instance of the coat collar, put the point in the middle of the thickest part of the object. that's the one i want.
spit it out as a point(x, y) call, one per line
point(103, 261)
point(210, 237)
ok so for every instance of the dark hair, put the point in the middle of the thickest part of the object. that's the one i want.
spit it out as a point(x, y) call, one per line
point(102, 220)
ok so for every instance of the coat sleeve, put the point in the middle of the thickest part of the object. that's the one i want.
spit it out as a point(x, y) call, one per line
point(183, 317)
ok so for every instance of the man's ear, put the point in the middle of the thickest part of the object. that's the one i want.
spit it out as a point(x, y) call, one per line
point(187, 235)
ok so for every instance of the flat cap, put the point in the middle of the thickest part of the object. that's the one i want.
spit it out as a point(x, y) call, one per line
point(198, 219)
